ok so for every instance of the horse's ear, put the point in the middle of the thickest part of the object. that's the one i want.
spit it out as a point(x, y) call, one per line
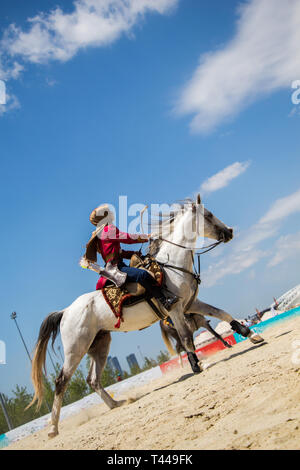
point(198, 199)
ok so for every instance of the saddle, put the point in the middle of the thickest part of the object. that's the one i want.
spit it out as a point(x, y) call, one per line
point(132, 293)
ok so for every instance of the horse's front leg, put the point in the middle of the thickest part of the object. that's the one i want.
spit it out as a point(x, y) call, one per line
point(187, 340)
point(219, 337)
point(201, 308)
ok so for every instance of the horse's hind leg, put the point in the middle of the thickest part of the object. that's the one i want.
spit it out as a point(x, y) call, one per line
point(99, 351)
point(70, 364)
point(75, 347)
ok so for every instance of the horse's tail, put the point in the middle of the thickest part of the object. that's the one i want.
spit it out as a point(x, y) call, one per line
point(50, 326)
point(167, 341)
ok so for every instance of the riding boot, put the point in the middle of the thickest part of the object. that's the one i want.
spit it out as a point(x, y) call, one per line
point(167, 302)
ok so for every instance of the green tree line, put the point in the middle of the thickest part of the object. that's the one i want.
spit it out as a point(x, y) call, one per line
point(77, 389)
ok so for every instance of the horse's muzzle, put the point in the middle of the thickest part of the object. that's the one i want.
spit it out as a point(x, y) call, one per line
point(226, 235)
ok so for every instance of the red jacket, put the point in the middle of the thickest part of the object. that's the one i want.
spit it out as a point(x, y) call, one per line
point(109, 245)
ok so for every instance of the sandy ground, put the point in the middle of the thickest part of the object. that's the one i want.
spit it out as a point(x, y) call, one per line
point(249, 398)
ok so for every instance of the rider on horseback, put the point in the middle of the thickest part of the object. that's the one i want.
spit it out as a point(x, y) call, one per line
point(106, 240)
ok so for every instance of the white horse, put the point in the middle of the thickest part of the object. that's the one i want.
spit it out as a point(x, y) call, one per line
point(86, 324)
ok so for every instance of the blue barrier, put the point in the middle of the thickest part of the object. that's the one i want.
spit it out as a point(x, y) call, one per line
point(260, 327)
point(3, 441)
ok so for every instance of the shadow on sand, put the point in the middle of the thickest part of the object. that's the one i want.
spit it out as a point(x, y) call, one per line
point(255, 346)
point(181, 379)
point(285, 333)
point(188, 376)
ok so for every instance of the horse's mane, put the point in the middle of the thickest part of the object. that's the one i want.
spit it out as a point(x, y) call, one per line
point(163, 224)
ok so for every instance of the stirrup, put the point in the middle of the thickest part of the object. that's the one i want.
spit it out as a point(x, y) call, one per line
point(169, 302)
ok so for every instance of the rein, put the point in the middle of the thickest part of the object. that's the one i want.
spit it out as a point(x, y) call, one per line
point(210, 247)
point(196, 272)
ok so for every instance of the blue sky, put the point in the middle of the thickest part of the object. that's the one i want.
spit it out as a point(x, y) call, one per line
point(152, 105)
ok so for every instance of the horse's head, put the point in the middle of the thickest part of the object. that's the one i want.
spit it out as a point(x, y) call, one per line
point(185, 223)
point(212, 227)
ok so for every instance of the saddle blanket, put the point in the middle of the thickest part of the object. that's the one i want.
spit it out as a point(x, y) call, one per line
point(117, 297)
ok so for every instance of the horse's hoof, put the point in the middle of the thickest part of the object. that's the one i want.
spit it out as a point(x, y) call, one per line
point(52, 434)
point(121, 403)
point(130, 400)
point(255, 338)
point(197, 369)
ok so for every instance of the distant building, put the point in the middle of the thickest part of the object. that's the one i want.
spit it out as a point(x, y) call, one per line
point(289, 300)
point(132, 361)
point(109, 362)
point(116, 365)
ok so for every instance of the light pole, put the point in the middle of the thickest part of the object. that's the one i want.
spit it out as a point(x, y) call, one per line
point(2, 403)
point(14, 317)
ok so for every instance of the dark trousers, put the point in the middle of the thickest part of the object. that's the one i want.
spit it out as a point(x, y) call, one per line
point(142, 277)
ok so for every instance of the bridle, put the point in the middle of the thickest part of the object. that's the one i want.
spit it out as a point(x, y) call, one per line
point(196, 273)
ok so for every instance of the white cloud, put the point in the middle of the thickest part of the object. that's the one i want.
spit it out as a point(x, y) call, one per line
point(12, 103)
point(235, 264)
point(6, 73)
point(245, 252)
point(261, 58)
point(56, 35)
point(282, 208)
point(286, 247)
point(59, 36)
point(9, 71)
point(224, 177)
